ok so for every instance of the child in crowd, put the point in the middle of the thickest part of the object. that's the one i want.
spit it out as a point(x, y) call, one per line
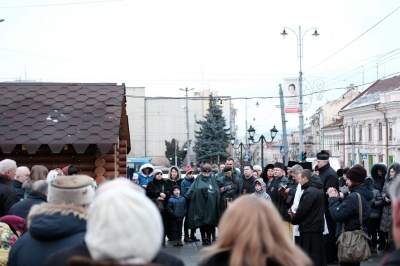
point(176, 208)
point(259, 191)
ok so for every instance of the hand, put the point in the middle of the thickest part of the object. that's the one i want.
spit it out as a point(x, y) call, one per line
point(163, 195)
point(387, 199)
point(222, 189)
point(233, 186)
point(341, 195)
point(332, 192)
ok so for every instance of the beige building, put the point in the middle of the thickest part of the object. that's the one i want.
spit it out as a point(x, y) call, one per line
point(371, 128)
point(154, 120)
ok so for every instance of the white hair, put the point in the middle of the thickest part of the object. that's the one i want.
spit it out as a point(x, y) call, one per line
point(6, 165)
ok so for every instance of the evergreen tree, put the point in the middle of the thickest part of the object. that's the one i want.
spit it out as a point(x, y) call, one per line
point(170, 150)
point(212, 139)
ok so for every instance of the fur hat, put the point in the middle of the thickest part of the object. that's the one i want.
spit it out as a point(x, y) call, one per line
point(114, 232)
point(76, 189)
point(279, 165)
point(357, 174)
point(292, 163)
point(323, 155)
point(189, 169)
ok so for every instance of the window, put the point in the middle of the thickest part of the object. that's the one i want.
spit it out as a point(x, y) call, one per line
point(380, 131)
point(369, 132)
point(390, 132)
point(360, 132)
point(348, 134)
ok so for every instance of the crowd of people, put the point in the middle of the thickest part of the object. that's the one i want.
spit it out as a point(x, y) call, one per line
point(280, 215)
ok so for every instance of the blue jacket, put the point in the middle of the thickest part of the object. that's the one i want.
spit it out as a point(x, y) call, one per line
point(52, 228)
point(22, 208)
point(176, 207)
point(347, 212)
point(185, 185)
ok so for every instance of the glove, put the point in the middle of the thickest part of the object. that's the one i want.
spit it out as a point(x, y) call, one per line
point(233, 186)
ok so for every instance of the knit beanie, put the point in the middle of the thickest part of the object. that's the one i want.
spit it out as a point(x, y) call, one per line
point(189, 169)
point(357, 174)
point(123, 224)
point(76, 189)
point(157, 171)
point(17, 223)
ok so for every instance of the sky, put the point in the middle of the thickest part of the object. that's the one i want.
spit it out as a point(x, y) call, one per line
point(232, 47)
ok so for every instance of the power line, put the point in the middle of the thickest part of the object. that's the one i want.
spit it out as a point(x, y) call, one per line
point(354, 39)
point(63, 4)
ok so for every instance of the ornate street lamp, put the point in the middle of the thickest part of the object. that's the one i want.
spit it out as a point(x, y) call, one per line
point(240, 145)
point(252, 131)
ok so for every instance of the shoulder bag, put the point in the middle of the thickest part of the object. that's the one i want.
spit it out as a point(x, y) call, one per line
point(353, 245)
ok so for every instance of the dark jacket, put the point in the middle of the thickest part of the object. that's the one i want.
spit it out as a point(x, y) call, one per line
point(378, 180)
point(376, 201)
point(204, 202)
point(52, 228)
point(155, 187)
point(8, 195)
point(22, 208)
point(278, 199)
point(18, 188)
point(173, 182)
point(329, 178)
point(310, 213)
point(176, 207)
point(251, 181)
point(60, 258)
point(347, 212)
point(185, 185)
point(386, 218)
point(391, 259)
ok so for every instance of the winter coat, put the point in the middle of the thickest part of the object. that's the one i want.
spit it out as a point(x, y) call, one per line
point(185, 185)
point(61, 257)
point(18, 188)
point(273, 187)
point(386, 218)
point(173, 182)
point(379, 181)
point(176, 208)
point(8, 196)
point(262, 195)
point(22, 208)
point(240, 182)
point(347, 211)
point(376, 201)
point(204, 202)
point(329, 178)
point(145, 179)
point(155, 187)
point(51, 228)
point(310, 212)
point(231, 187)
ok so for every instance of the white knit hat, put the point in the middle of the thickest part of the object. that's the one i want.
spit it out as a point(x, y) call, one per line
point(123, 224)
point(77, 190)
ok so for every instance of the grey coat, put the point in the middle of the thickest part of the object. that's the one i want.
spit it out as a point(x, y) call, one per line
point(387, 208)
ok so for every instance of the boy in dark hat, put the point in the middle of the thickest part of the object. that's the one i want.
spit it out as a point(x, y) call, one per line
point(176, 208)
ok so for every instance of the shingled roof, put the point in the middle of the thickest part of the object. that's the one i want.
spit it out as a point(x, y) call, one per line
point(372, 94)
point(56, 114)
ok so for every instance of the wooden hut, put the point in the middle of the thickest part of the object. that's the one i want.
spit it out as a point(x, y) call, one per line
point(60, 124)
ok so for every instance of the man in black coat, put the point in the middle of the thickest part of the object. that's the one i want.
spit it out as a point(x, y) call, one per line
point(21, 175)
point(37, 196)
point(8, 196)
point(310, 217)
point(329, 179)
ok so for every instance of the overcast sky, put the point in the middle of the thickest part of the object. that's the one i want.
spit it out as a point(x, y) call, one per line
point(233, 47)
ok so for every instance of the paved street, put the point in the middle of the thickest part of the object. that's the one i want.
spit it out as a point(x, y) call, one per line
point(189, 253)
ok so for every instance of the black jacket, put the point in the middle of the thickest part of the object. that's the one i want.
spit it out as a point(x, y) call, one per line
point(347, 212)
point(22, 208)
point(18, 188)
point(329, 178)
point(378, 180)
point(8, 196)
point(60, 258)
point(222, 259)
point(310, 213)
point(155, 187)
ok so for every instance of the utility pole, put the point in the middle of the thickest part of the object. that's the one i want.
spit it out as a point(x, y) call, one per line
point(283, 118)
point(187, 127)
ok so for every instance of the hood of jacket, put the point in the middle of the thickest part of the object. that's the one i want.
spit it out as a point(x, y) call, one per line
point(396, 167)
point(146, 165)
point(375, 168)
point(49, 222)
point(169, 173)
point(363, 190)
point(313, 182)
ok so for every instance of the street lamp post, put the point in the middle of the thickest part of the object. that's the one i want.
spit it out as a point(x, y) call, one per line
point(252, 131)
point(300, 38)
point(187, 127)
point(240, 145)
